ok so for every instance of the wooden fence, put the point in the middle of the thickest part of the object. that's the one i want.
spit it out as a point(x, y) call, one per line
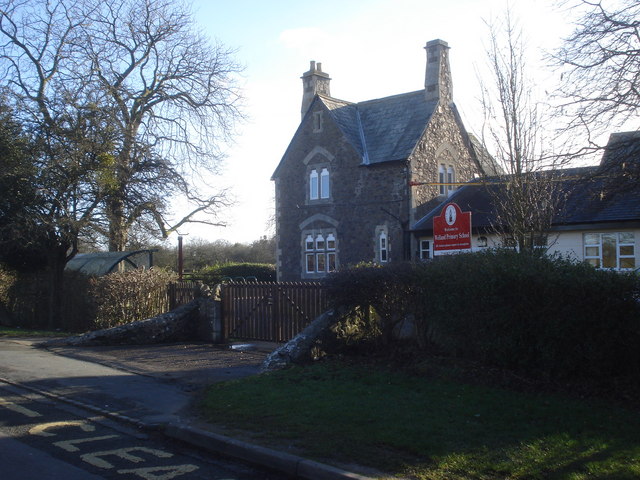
point(180, 293)
point(274, 312)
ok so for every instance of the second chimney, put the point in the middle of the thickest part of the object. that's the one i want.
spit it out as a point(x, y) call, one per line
point(313, 82)
point(437, 81)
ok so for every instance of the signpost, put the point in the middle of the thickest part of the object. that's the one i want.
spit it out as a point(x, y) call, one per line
point(451, 230)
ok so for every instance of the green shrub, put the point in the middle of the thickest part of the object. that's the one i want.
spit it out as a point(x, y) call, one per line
point(212, 275)
point(390, 291)
point(542, 316)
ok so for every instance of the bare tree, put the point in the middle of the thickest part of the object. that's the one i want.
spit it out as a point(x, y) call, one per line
point(526, 197)
point(155, 90)
point(173, 100)
point(599, 92)
point(600, 69)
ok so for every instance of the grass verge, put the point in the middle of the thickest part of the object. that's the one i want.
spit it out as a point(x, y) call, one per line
point(428, 428)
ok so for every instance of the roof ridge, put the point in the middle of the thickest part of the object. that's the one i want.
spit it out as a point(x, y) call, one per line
point(398, 95)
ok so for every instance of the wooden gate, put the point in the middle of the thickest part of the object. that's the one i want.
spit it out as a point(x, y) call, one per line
point(273, 312)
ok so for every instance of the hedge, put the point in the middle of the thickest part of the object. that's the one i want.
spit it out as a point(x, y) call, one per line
point(542, 316)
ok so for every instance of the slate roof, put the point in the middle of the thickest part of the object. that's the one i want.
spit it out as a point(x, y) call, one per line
point(385, 129)
point(590, 200)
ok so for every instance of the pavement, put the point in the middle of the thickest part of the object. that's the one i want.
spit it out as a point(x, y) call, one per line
point(154, 387)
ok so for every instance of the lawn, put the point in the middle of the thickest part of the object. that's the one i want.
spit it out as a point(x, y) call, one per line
point(427, 427)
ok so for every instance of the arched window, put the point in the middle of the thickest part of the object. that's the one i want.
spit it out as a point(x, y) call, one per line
point(313, 185)
point(320, 253)
point(451, 178)
point(441, 179)
point(308, 243)
point(384, 247)
point(324, 183)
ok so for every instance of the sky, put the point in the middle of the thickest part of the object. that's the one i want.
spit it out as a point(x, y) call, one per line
point(370, 48)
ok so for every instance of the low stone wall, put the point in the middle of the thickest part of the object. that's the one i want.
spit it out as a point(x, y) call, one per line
point(178, 325)
point(298, 349)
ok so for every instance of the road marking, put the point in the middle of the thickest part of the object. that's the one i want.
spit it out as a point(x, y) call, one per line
point(95, 460)
point(69, 445)
point(19, 409)
point(41, 428)
point(152, 473)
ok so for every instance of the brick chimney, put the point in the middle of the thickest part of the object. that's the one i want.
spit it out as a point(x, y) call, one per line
point(314, 81)
point(437, 81)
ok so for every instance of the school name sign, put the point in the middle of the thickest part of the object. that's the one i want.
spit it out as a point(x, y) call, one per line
point(451, 230)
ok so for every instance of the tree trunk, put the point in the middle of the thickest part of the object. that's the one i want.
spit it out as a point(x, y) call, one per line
point(118, 231)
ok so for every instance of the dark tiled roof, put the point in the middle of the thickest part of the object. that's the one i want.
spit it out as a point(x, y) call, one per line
point(589, 199)
point(385, 129)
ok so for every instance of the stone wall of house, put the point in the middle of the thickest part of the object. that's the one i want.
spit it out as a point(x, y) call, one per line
point(363, 199)
point(443, 143)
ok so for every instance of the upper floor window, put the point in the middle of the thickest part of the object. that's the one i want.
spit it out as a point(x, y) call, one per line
point(324, 183)
point(442, 179)
point(446, 179)
point(451, 178)
point(319, 184)
point(610, 250)
point(313, 185)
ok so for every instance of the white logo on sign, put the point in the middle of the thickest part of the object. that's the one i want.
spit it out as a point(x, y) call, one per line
point(450, 215)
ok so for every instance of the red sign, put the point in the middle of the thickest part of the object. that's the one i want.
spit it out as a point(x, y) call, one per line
point(451, 230)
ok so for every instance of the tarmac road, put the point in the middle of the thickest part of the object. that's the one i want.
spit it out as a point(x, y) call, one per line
point(50, 440)
point(149, 388)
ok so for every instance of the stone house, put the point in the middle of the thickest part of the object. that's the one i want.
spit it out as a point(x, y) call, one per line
point(356, 177)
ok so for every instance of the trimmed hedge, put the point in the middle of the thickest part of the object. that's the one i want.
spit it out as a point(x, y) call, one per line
point(212, 275)
point(89, 303)
point(545, 317)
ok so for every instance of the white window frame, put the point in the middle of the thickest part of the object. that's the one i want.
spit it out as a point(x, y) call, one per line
point(314, 187)
point(425, 249)
point(594, 249)
point(383, 247)
point(320, 252)
point(324, 183)
point(441, 179)
point(451, 178)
